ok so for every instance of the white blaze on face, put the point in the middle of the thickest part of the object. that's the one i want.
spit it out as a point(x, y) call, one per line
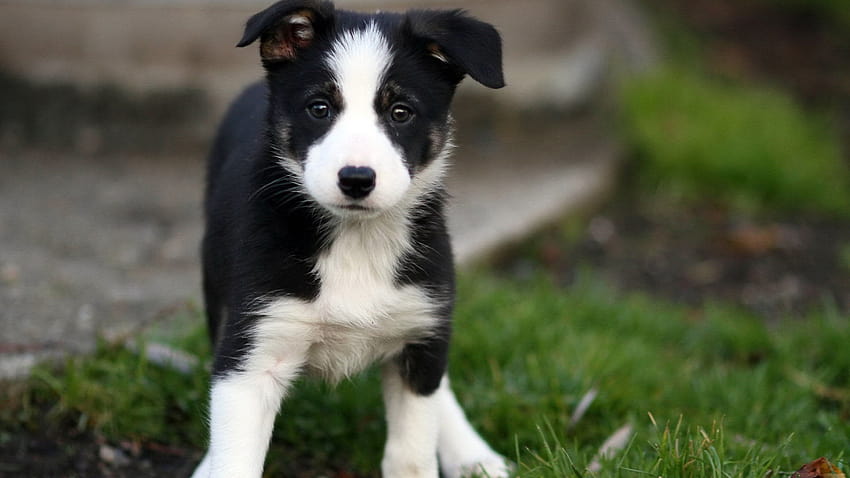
point(359, 60)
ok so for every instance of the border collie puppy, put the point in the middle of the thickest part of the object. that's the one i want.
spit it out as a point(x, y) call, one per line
point(326, 246)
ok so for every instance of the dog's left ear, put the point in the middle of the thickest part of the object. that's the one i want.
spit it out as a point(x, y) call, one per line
point(286, 27)
point(455, 38)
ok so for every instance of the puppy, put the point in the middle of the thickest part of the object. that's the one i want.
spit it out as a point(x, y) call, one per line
point(326, 247)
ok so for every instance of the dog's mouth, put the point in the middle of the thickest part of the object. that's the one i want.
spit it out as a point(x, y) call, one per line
point(354, 210)
point(356, 207)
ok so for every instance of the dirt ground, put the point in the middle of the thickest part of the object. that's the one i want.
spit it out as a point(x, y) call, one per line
point(774, 267)
point(46, 455)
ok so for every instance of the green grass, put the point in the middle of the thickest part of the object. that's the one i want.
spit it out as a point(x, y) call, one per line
point(709, 393)
point(119, 394)
point(750, 148)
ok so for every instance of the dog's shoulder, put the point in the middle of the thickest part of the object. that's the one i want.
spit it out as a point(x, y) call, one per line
point(241, 131)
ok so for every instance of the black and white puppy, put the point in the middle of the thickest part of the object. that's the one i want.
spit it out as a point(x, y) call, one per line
point(326, 246)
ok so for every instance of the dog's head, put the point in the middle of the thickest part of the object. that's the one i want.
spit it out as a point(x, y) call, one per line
point(359, 105)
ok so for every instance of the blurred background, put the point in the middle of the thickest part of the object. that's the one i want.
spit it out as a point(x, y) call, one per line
point(695, 151)
point(109, 109)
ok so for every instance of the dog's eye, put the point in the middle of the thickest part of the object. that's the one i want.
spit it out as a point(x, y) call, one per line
point(319, 109)
point(401, 113)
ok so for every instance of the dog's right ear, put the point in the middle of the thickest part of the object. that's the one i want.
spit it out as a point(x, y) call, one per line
point(286, 27)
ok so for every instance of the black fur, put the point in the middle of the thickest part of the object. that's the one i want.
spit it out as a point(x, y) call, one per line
point(263, 22)
point(263, 237)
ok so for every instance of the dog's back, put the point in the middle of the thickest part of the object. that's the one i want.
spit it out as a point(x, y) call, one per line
point(237, 142)
point(241, 131)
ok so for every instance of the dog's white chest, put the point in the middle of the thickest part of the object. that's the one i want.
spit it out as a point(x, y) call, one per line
point(360, 315)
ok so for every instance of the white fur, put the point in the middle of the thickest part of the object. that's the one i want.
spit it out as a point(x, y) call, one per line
point(461, 450)
point(359, 59)
point(242, 413)
point(360, 315)
point(412, 430)
point(421, 428)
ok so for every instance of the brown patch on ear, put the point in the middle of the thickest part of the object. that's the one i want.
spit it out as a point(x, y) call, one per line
point(435, 51)
point(293, 33)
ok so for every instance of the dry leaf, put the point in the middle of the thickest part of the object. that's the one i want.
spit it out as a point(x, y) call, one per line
point(819, 468)
point(753, 240)
point(613, 445)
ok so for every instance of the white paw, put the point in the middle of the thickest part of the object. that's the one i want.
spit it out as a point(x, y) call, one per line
point(491, 466)
point(398, 467)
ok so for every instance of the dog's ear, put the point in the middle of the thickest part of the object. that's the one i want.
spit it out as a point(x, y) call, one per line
point(455, 38)
point(286, 27)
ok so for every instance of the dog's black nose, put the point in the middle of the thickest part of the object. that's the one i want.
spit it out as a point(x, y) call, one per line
point(356, 182)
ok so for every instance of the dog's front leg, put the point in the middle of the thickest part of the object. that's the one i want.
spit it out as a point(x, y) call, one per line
point(411, 449)
point(243, 406)
point(461, 450)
